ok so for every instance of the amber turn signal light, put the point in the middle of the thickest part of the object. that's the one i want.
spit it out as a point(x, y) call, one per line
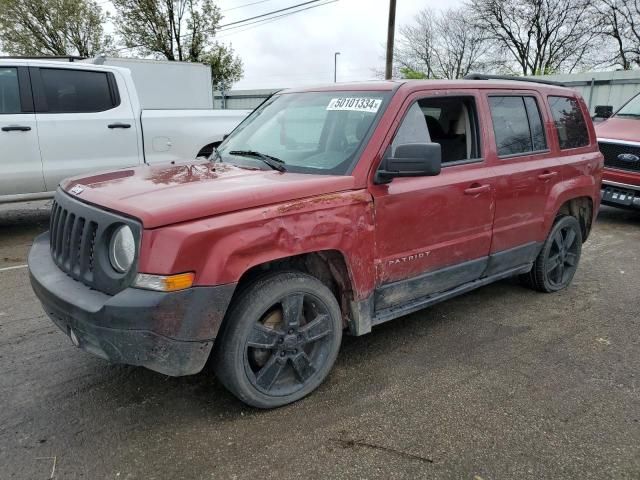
point(164, 283)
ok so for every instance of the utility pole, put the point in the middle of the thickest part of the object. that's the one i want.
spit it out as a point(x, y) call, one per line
point(335, 66)
point(390, 38)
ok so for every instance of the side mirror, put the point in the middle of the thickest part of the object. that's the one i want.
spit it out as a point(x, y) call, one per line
point(603, 111)
point(411, 160)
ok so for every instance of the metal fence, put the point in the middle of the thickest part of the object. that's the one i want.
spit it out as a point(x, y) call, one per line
point(597, 88)
point(602, 88)
point(241, 99)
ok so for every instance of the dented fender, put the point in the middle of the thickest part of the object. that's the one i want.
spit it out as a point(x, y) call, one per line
point(221, 249)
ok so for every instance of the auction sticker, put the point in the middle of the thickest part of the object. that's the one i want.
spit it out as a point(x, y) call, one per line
point(355, 104)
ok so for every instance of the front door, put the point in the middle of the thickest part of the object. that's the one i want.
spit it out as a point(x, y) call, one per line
point(20, 164)
point(434, 233)
point(85, 122)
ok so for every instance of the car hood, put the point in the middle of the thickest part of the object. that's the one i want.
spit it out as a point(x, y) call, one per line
point(622, 129)
point(167, 194)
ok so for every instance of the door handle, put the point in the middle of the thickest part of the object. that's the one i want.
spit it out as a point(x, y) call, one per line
point(16, 128)
point(547, 175)
point(477, 189)
point(119, 125)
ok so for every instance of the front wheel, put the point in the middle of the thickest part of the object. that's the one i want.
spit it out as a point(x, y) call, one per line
point(557, 262)
point(280, 340)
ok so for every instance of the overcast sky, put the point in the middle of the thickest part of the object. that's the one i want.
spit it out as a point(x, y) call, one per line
point(298, 49)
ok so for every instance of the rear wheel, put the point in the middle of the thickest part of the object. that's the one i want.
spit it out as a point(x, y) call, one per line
point(280, 340)
point(557, 262)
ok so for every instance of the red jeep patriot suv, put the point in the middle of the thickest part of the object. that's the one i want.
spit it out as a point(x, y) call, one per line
point(619, 139)
point(327, 209)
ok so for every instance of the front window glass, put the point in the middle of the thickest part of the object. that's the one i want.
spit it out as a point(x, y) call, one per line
point(313, 132)
point(631, 109)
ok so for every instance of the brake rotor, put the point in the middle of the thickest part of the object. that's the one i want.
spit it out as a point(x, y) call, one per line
point(271, 320)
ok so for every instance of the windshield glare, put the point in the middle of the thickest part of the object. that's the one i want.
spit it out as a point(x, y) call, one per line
point(631, 109)
point(313, 132)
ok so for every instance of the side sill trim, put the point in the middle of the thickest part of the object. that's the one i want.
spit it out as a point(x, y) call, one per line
point(418, 304)
point(363, 316)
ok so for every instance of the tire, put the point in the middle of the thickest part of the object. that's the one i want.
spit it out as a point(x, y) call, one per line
point(558, 260)
point(280, 339)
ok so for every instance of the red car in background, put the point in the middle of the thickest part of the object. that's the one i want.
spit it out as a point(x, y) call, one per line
point(619, 140)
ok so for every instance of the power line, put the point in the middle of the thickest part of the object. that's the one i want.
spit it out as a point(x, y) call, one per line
point(276, 17)
point(267, 14)
point(248, 21)
point(245, 5)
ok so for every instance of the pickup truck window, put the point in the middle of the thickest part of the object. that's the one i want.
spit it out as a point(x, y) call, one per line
point(76, 91)
point(517, 125)
point(631, 109)
point(9, 91)
point(569, 121)
point(313, 132)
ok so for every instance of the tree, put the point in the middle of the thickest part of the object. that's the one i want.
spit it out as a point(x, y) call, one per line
point(441, 44)
point(541, 36)
point(181, 30)
point(410, 74)
point(52, 27)
point(226, 68)
point(620, 21)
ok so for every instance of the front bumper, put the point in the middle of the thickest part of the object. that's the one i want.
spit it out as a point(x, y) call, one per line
point(620, 194)
point(171, 333)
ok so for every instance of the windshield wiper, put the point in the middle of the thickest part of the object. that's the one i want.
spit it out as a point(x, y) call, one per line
point(273, 162)
point(634, 115)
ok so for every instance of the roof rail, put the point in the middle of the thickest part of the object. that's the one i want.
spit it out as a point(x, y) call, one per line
point(483, 76)
point(69, 58)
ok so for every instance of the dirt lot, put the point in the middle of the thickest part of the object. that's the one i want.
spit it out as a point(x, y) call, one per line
point(500, 383)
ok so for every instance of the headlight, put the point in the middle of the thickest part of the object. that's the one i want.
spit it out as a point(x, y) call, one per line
point(122, 249)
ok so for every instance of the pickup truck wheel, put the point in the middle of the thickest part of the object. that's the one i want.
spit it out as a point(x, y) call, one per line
point(557, 262)
point(280, 340)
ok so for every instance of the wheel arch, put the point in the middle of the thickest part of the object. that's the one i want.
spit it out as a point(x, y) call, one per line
point(328, 266)
point(207, 149)
point(579, 198)
point(582, 209)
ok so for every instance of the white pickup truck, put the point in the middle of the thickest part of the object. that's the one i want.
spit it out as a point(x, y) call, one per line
point(60, 119)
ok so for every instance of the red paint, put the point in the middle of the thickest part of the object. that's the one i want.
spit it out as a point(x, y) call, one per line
point(219, 222)
point(621, 130)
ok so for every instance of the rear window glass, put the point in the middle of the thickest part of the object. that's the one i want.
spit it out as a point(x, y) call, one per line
point(9, 91)
point(569, 121)
point(76, 91)
point(517, 125)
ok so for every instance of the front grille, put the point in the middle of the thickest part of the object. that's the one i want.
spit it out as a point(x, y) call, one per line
point(73, 239)
point(611, 151)
point(79, 240)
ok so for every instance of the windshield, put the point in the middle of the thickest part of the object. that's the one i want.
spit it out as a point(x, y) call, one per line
point(631, 109)
point(313, 132)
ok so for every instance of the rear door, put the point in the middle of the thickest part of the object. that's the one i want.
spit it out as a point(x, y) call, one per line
point(20, 164)
point(526, 168)
point(85, 122)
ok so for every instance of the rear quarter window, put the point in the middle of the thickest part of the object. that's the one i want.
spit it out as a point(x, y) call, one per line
point(569, 122)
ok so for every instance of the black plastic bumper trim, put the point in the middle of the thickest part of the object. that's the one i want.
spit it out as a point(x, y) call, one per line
point(171, 333)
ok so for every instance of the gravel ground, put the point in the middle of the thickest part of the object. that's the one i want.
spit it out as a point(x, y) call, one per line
point(500, 383)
